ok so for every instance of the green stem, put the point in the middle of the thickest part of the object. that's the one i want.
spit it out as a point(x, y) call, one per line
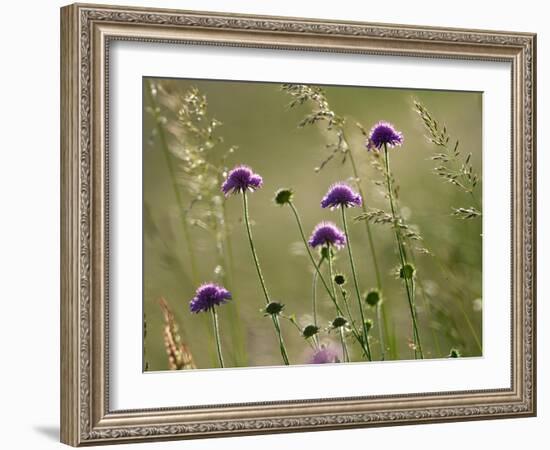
point(402, 256)
point(333, 286)
point(355, 281)
point(312, 343)
point(179, 200)
point(314, 291)
point(274, 318)
point(346, 304)
point(367, 225)
point(236, 330)
point(217, 335)
point(326, 286)
point(330, 271)
point(383, 326)
point(380, 323)
point(173, 180)
point(345, 353)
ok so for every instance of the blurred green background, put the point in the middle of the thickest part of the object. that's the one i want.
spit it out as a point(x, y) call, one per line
point(256, 118)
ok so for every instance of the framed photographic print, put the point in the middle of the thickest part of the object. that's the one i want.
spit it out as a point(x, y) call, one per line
point(276, 225)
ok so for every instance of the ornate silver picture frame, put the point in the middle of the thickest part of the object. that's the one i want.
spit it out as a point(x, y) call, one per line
point(87, 32)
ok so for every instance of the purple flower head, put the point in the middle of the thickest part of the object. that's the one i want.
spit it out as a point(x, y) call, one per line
point(326, 233)
point(324, 355)
point(207, 296)
point(383, 133)
point(241, 179)
point(340, 194)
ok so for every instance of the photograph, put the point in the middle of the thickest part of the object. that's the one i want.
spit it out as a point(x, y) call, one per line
point(291, 223)
point(304, 224)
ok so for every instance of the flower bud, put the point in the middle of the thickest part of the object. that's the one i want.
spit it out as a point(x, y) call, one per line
point(274, 308)
point(373, 297)
point(407, 271)
point(283, 196)
point(368, 324)
point(339, 322)
point(309, 331)
point(454, 353)
point(339, 279)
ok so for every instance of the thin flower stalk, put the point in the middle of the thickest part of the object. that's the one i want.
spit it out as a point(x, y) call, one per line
point(381, 322)
point(355, 281)
point(344, 295)
point(330, 270)
point(217, 335)
point(402, 257)
point(313, 341)
point(323, 281)
point(382, 318)
point(301, 94)
point(208, 297)
point(345, 352)
point(314, 291)
point(274, 317)
point(428, 306)
point(191, 150)
point(330, 257)
point(225, 251)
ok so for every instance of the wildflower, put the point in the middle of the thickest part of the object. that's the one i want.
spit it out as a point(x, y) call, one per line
point(339, 279)
point(310, 331)
point(241, 179)
point(324, 355)
point(338, 322)
point(369, 324)
point(283, 196)
point(373, 297)
point(207, 296)
point(454, 353)
point(407, 271)
point(340, 194)
point(326, 233)
point(274, 308)
point(383, 133)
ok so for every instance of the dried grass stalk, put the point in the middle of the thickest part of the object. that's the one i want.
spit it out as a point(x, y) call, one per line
point(179, 355)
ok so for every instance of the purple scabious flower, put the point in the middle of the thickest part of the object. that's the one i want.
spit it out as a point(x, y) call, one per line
point(326, 233)
point(241, 179)
point(340, 194)
point(384, 133)
point(324, 355)
point(207, 296)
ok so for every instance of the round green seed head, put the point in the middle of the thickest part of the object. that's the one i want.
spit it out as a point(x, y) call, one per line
point(454, 353)
point(274, 308)
point(283, 196)
point(339, 322)
point(339, 279)
point(373, 297)
point(407, 271)
point(309, 331)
